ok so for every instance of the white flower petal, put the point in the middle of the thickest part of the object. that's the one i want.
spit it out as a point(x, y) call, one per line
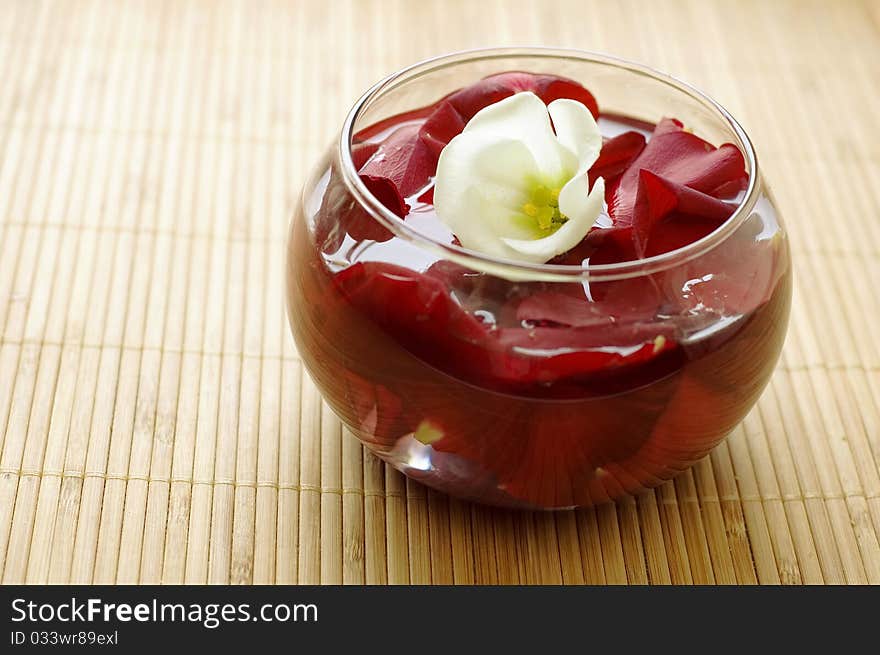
point(524, 117)
point(483, 162)
point(506, 164)
point(493, 177)
point(478, 227)
point(479, 188)
point(483, 221)
point(575, 198)
point(576, 130)
point(571, 233)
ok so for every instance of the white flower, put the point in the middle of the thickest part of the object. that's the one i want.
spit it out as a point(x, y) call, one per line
point(510, 187)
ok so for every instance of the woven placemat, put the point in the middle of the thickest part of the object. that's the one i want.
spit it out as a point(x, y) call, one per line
point(155, 422)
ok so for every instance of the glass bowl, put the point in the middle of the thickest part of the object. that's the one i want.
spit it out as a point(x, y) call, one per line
point(412, 342)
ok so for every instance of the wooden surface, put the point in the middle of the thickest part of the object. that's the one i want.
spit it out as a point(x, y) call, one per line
point(155, 423)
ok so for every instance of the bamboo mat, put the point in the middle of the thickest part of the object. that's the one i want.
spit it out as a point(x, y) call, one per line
point(155, 422)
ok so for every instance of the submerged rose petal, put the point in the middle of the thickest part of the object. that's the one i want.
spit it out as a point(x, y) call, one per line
point(745, 270)
point(547, 355)
point(417, 311)
point(383, 188)
point(420, 313)
point(377, 408)
point(547, 455)
point(612, 319)
point(387, 193)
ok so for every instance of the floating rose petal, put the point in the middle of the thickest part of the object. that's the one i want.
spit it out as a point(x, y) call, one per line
point(674, 180)
point(361, 153)
point(609, 245)
point(442, 126)
point(678, 231)
point(401, 165)
point(616, 155)
point(407, 158)
point(339, 214)
point(679, 157)
point(658, 197)
point(427, 197)
point(454, 111)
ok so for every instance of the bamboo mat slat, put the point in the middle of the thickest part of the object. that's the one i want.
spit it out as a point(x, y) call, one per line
point(155, 422)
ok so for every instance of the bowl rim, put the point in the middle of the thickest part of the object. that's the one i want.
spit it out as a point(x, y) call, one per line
point(513, 269)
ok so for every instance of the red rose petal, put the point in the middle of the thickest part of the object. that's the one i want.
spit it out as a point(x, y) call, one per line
point(678, 231)
point(419, 312)
point(401, 165)
point(339, 215)
point(690, 202)
point(654, 200)
point(745, 271)
point(405, 160)
point(665, 216)
point(694, 216)
point(681, 158)
point(657, 198)
point(441, 127)
point(549, 354)
point(361, 152)
point(377, 408)
point(340, 208)
point(385, 192)
point(401, 297)
point(478, 291)
point(540, 455)
point(550, 87)
point(458, 108)
point(612, 319)
point(610, 245)
point(469, 100)
point(616, 154)
point(561, 309)
point(546, 455)
point(427, 197)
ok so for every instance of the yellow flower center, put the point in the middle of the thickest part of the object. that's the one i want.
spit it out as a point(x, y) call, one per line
point(543, 207)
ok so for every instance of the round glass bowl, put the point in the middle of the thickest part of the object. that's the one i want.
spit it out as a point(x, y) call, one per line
point(413, 342)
